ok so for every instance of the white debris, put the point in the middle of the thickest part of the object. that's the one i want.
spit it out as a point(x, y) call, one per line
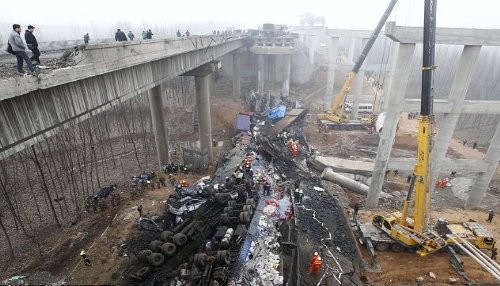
point(419, 279)
point(452, 280)
point(432, 275)
point(319, 189)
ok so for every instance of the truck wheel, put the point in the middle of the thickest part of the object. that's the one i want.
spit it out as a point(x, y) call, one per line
point(224, 218)
point(166, 236)
point(231, 203)
point(397, 247)
point(156, 259)
point(250, 202)
point(143, 255)
point(155, 245)
point(248, 209)
point(228, 210)
point(180, 239)
point(200, 259)
point(144, 271)
point(168, 249)
point(244, 217)
point(382, 246)
point(223, 257)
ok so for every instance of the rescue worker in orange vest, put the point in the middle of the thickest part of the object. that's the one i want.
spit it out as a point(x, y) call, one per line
point(184, 183)
point(315, 257)
point(316, 266)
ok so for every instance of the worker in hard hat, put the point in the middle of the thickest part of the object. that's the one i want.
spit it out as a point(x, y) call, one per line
point(315, 257)
point(316, 266)
point(184, 183)
point(85, 258)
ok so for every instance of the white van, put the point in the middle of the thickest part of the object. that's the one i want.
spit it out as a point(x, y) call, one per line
point(365, 108)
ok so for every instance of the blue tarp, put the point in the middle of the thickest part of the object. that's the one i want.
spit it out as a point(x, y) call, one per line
point(277, 112)
point(242, 122)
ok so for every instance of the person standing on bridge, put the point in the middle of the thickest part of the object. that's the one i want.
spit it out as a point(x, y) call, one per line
point(131, 35)
point(149, 34)
point(86, 38)
point(120, 36)
point(19, 49)
point(32, 44)
point(178, 34)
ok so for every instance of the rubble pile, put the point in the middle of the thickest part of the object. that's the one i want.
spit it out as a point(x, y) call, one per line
point(263, 263)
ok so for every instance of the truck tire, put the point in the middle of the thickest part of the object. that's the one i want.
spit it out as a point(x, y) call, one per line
point(223, 257)
point(168, 249)
point(156, 259)
point(397, 247)
point(244, 217)
point(142, 256)
point(250, 202)
point(155, 245)
point(248, 209)
point(200, 259)
point(224, 218)
point(231, 203)
point(382, 246)
point(166, 236)
point(228, 210)
point(180, 239)
point(144, 271)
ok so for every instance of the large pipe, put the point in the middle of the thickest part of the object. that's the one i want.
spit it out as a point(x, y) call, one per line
point(355, 186)
point(478, 260)
point(476, 251)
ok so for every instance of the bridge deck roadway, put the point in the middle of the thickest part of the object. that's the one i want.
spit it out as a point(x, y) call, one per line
point(32, 108)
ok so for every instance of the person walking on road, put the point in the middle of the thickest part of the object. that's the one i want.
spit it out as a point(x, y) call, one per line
point(85, 258)
point(131, 35)
point(491, 214)
point(19, 49)
point(86, 38)
point(120, 36)
point(32, 43)
point(139, 209)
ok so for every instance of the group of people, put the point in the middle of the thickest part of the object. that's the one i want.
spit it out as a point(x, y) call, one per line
point(17, 47)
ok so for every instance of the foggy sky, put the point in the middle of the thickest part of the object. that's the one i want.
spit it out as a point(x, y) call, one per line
point(69, 20)
point(362, 14)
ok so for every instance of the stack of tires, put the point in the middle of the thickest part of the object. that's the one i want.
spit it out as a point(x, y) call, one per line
point(244, 214)
point(159, 249)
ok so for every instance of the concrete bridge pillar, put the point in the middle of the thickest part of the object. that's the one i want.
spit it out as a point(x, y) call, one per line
point(159, 130)
point(395, 99)
point(287, 63)
point(310, 45)
point(261, 67)
point(458, 91)
point(333, 51)
point(205, 87)
point(236, 75)
point(357, 89)
point(483, 179)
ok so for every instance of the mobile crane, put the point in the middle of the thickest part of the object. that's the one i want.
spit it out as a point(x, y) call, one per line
point(398, 230)
point(335, 117)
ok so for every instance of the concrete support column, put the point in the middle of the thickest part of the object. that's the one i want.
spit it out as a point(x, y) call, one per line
point(236, 75)
point(333, 51)
point(287, 64)
point(459, 87)
point(350, 52)
point(483, 179)
point(311, 49)
point(159, 130)
point(204, 89)
point(357, 89)
point(261, 65)
point(395, 96)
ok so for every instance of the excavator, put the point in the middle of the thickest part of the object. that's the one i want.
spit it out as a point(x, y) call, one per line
point(336, 117)
point(399, 230)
